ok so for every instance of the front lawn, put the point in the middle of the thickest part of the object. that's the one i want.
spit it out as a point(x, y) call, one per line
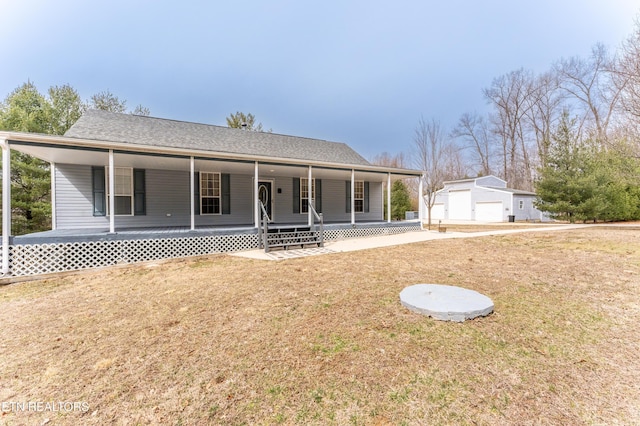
point(324, 339)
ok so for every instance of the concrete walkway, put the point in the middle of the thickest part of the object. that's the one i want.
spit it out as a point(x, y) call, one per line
point(354, 244)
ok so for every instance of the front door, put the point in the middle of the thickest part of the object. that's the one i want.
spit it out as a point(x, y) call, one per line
point(265, 195)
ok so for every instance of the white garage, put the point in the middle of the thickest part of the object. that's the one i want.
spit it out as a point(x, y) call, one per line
point(460, 205)
point(484, 199)
point(489, 211)
point(437, 211)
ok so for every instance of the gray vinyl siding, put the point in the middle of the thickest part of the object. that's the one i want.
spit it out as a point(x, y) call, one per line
point(167, 196)
point(334, 199)
point(375, 203)
point(74, 198)
point(529, 212)
point(284, 202)
point(241, 199)
point(168, 201)
point(334, 207)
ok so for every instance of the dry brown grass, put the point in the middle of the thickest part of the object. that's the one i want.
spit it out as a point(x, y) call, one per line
point(324, 340)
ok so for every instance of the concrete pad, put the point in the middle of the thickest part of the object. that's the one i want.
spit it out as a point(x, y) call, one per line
point(365, 243)
point(445, 302)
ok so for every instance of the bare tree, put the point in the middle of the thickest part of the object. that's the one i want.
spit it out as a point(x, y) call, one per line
point(472, 129)
point(400, 161)
point(546, 108)
point(510, 96)
point(107, 101)
point(627, 78)
point(454, 165)
point(590, 84)
point(429, 146)
point(389, 160)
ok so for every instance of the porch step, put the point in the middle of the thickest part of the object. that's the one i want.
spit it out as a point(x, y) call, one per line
point(287, 237)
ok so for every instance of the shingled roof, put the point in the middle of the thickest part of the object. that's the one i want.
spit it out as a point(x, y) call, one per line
point(141, 130)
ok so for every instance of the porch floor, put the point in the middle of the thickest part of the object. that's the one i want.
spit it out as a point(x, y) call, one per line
point(102, 234)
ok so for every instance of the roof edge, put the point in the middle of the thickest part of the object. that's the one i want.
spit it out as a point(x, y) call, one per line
point(66, 141)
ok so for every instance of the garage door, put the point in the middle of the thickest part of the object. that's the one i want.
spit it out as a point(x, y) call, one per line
point(460, 205)
point(489, 212)
point(437, 211)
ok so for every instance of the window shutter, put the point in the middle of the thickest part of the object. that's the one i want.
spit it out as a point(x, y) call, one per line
point(139, 186)
point(99, 193)
point(296, 195)
point(319, 195)
point(366, 197)
point(225, 182)
point(348, 191)
point(196, 192)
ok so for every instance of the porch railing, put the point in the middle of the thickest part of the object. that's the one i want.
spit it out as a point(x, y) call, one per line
point(320, 219)
point(263, 229)
point(52, 257)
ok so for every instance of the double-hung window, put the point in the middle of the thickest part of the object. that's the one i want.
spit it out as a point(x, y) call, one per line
point(210, 193)
point(358, 196)
point(123, 191)
point(304, 193)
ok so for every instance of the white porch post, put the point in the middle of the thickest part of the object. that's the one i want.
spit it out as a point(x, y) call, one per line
point(6, 204)
point(112, 197)
point(389, 197)
point(256, 195)
point(53, 195)
point(312, 200)
point(353, 202)
point(192, 188)
point(421, 205)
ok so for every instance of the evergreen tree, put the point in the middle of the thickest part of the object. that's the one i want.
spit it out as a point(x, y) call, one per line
point(583, 181)
point(240, 120)
point(26, 110)
point(400, 200)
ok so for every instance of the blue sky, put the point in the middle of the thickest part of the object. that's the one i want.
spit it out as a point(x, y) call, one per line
point(360, 72)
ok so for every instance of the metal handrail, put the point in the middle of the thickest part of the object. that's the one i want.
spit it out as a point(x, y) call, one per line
point(264, 229)
point(264, 212)
point(321, 220)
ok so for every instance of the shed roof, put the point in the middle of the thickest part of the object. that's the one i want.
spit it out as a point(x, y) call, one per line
point(151, 131)
point(511, 190)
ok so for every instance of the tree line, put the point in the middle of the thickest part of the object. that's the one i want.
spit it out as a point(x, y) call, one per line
point(571, 133)
point(25, 109)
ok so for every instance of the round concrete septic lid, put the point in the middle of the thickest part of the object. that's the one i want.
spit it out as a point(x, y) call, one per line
point(445, 302)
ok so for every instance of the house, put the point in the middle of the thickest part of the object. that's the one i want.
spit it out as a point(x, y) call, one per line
point(483, 199)
point(189, 189)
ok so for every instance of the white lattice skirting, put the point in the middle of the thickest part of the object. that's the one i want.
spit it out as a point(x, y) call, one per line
point(339, 234)
point(36, 259)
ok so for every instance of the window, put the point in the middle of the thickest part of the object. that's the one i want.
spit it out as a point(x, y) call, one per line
point(123, 191)
point(521, 204)
point(304, 194)
point(358, 196)
point(209, 193)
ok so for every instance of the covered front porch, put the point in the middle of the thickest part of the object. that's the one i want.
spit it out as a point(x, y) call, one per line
point(333, 231)
point(165, 202)
point(161, 190)
point(69, 250)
